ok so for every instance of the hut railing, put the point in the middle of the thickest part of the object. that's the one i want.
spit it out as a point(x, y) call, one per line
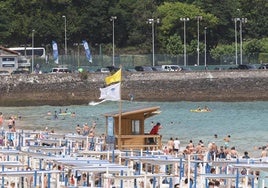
point(139, 142)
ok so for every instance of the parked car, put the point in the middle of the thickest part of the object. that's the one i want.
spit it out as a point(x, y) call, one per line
point(143, 68)
point(131, 70)
point(265, 66)
point(244, 67)
point(248, 67)
point(20, 72)
point(157, 68)
point(112, 68)
point(186, 69)
point(171, 67)
point(103, 70)
point(4, 73)
point(60, 70)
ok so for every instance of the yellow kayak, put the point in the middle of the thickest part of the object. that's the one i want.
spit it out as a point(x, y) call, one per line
point(200, 110)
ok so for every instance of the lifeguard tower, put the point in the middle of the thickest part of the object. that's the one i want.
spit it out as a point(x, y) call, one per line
point(126, 129)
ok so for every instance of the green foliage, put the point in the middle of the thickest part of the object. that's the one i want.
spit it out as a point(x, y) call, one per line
point(222, 50)
point(264, 44)
point(253, 46)
point(171, 13)
point(174, 45)
point(90, 20)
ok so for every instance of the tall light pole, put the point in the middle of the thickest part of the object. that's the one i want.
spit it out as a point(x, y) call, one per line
point(184, 33)
point(65, 37)
point(33, 50)
point(235, 21)
point(205, 51)
point(198, 49)
point(242, 20)
point(152, 21)
point(112, 20)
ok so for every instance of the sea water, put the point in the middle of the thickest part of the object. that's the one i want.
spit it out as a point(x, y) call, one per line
point(245, 122)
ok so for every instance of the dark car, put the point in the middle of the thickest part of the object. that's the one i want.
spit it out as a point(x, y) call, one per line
point(247, 67)
point(157, 68)
point(265, 66)
point(20, 72)
point(143, 68)
point(186, 69)
point(112, 69)
point(244, 67)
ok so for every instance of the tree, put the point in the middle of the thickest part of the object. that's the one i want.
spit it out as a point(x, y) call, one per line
point(223, 53)
point(253, 48)
point(225, 11)
point(171, 13)
point(256, 14)
point(174, 45)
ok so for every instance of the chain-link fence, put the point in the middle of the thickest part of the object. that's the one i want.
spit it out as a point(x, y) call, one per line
point(74, 62)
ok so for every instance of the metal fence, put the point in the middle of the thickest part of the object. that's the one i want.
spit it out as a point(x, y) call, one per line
point(130, 61)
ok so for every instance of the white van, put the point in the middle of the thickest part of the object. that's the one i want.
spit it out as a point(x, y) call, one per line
point(60, 70)
point(171, 67)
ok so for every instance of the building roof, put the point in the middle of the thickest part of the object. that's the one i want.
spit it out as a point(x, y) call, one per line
point(147, 111)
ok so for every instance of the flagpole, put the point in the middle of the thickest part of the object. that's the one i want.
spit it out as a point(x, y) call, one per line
point(120, 112)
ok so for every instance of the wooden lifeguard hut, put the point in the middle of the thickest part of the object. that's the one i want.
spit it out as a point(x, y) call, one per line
point(126, 129)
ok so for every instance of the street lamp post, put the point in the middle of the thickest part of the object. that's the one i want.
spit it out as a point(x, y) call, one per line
point(235, 20)
point(65, 37)
point(184, 33)
point(33, 50)
point(112, 19)
point(242, 20)
point(205, 51)
point(152, 21)
point(198, 49)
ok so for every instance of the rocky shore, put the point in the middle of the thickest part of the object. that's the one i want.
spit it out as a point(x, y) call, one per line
point(77, 89)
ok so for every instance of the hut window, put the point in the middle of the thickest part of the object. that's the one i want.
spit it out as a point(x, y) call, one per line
point(135, 127)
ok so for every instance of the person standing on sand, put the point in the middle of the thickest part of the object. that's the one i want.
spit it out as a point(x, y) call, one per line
point(191, 146)
point(170, 146)
point(264, 152)
point(10, 123)
point(233, 153)
point(86, 129)
point(246, 156)
point(177, 145)
point(1, 119)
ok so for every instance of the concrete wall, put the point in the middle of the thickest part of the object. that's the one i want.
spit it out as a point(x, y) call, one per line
point(67, 89)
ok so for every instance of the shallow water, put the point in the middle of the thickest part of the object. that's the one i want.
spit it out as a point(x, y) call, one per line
point(246, 122)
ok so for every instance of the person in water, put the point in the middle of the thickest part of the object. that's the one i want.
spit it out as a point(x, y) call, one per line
point(55, 115)
point(206, 109)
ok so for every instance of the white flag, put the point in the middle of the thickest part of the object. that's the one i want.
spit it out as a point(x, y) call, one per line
point(111, 92)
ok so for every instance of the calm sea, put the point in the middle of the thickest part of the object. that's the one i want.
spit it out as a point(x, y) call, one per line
point(246, 122)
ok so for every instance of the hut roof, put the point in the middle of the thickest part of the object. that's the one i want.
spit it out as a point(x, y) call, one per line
point(147, 111)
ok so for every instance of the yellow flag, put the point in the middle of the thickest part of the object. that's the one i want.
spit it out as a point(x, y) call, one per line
point(116, 77)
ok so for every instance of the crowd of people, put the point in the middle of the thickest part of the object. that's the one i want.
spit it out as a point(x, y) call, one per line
point(86, 130)
point(224, 151)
